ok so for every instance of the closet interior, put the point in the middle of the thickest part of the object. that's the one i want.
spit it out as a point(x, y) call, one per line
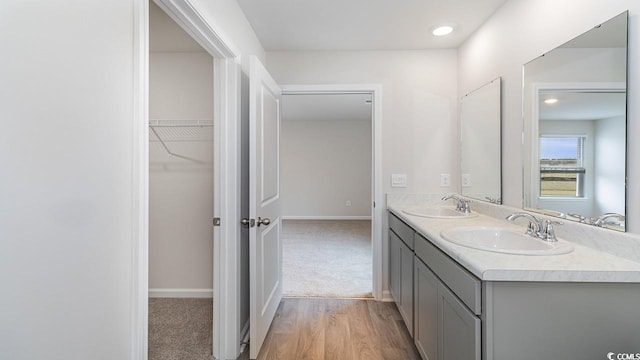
point(180, 191)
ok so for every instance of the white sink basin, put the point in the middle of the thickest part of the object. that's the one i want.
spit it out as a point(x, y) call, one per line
point(504, 241)
point(437, 212)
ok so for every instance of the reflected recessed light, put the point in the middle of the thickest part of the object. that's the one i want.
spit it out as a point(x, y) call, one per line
point(442, 30)
point(551, 101)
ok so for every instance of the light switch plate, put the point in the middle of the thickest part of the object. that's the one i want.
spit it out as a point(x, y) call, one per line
point(398, 180)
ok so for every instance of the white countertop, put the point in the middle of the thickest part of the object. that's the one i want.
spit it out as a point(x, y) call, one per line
point(584, 264)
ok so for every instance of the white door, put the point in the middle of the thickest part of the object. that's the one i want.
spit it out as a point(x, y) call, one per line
point(265, 248)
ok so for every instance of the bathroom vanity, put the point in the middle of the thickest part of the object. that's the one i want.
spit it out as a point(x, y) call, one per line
point(461, 303)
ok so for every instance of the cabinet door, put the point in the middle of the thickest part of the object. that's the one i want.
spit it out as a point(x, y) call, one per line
point(394, 266)
point(406, 285)
point(425, 316)
point(458, 328)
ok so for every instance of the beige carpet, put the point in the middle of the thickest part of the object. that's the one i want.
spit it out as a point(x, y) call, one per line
point(180, 329)
point(327, 258)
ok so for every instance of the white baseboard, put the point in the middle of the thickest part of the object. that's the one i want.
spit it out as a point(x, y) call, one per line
point(386, 296)
point(180, 293)
point(293, 217)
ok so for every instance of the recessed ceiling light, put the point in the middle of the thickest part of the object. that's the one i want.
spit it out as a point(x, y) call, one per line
point(442, 30)
point(551, 101)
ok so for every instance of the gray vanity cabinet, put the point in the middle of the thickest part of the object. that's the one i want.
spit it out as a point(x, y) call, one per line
point(425, 313)
point(394, 265)
point(445, 327)
point(401, 268)
point(458, 328)
point(406, 286)
point(453, 315)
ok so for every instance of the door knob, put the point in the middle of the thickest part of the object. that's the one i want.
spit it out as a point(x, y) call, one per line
point(264, 221)
point(248, 222)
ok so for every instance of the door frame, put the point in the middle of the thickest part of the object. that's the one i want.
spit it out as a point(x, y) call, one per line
point(227, 75)
point(376, 164)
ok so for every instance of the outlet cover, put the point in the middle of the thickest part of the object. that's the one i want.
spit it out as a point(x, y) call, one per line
point(445, 180)
point(466, 180)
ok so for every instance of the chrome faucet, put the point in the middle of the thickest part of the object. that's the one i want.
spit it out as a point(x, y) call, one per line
point(600, 220)
point(538, 228)
point(462, 205)
point(535, 224)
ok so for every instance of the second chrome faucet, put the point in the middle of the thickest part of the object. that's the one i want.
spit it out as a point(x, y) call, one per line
point(462, 205)
point(538, 227)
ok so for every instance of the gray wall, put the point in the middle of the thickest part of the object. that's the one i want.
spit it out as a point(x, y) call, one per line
point(68, 186)
point(324, 165)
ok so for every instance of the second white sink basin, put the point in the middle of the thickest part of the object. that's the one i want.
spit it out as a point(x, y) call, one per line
point(437, 212)
point(504, 241)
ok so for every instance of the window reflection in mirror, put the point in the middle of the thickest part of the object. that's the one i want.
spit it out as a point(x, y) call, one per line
point(562, 166)
point(574, 100)
point(480, 143)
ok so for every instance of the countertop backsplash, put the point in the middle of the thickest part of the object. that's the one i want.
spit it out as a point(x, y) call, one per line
point(620, 244)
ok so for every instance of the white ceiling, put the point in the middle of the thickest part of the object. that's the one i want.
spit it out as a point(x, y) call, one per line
point(583, 106)
point(326, 107)
point(364, 24)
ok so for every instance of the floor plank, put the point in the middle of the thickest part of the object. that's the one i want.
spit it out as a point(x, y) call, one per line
point(319, 329)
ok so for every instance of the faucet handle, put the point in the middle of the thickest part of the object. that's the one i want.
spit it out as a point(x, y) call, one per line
point(548, 233)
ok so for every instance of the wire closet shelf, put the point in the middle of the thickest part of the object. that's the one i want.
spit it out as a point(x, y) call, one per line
point(164, 131)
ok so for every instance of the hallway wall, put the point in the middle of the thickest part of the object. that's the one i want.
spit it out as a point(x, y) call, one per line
point(68, 187)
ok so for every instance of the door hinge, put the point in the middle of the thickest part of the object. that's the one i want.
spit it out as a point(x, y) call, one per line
point(216, 221)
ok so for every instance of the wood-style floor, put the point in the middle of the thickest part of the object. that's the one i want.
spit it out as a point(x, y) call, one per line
point(318, 329)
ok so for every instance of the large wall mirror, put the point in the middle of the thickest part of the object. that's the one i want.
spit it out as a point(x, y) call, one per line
point(575, 119)
point(480, 143)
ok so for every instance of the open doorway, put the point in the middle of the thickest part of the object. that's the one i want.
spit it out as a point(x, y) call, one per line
point(181, 185)
point(327, 181)
point(226, 221)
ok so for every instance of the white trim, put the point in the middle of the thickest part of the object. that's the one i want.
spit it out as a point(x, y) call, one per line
point(387, 297)
point(140, 183)
point(376, 188)
point(181, 293)
point(226, 282)
point(226, 100)
point(326, 217)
